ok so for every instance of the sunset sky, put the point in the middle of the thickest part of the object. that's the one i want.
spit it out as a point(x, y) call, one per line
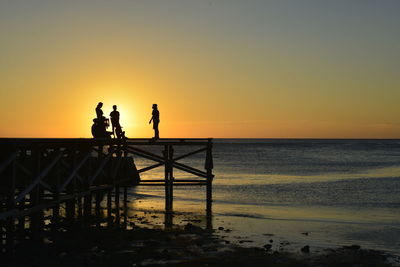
point(250, 69)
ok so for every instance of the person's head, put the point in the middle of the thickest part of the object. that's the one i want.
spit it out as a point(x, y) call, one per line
point(115, 107)
point(154, 106)
point(100, 104)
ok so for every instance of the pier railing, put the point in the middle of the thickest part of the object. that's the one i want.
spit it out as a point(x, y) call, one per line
point(170, 161)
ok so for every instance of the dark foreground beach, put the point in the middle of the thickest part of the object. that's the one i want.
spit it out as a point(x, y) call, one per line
point(184, 245)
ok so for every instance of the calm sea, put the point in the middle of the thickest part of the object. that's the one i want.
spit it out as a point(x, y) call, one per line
point(296, 192)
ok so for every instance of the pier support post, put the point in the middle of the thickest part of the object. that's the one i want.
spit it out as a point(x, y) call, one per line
point(117, 213)
point(171, 177)
point(10, 222)
point(56, 213)
point(21, 226)
point(168, 158)
point(2, 237)
point(55, 220)
point(109, 208)
point(87, 199)
point(35, 198)
point(87, 207)
point(165, 152)
point(209, 165)
point(125, 221)
point(70, 204)
point(97, 208)
point(10, 235)
point(168, 220)
point(79, 208)
point(70, 211)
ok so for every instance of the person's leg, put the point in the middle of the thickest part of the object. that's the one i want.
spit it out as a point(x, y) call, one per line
point(118, 131)
point(156, 133)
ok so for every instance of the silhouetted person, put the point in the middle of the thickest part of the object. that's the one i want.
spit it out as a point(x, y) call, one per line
point(156, 120)
point(99, 112)
point(116, 127)
point(100, 124)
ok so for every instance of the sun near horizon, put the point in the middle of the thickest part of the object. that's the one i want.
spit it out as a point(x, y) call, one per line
point(223, 69)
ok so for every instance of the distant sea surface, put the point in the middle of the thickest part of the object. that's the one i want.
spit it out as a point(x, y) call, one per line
point(296, 192)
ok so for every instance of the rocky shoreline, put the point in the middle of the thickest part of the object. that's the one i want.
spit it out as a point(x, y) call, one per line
point(186, 245)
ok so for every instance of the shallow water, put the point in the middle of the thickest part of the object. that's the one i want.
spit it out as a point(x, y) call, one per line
point(322, 193)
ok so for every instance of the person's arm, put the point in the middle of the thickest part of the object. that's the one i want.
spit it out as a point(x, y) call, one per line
point(151, 119)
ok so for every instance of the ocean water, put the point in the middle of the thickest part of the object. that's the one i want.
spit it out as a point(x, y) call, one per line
point(291, 193)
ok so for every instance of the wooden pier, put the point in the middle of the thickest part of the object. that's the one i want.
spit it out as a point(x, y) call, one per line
point(68, 179)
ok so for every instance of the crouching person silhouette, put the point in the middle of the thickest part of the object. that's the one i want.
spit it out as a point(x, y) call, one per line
point(100, 124)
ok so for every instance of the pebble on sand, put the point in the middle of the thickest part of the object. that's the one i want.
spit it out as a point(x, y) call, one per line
point(268, 246)
point(305, 249)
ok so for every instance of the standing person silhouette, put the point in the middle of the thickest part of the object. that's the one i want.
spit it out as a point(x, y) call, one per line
point(156, 120)
point(116, 127)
